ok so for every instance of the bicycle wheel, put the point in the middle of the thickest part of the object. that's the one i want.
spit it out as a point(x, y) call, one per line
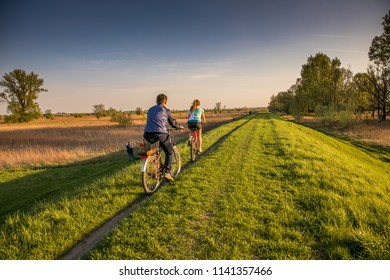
point(193, 148)
point(152, 174)
point(176, 162)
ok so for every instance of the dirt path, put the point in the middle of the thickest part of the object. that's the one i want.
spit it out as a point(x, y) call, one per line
point(92, 239)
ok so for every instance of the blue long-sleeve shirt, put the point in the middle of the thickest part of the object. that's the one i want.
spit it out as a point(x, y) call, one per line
point(158, 119)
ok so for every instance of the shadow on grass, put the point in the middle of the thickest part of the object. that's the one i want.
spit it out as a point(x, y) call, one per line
point(36, 185)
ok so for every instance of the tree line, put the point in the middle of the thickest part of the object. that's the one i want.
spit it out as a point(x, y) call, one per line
point(335, 93)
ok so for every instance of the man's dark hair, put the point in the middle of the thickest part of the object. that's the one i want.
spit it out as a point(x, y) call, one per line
point(161, 98)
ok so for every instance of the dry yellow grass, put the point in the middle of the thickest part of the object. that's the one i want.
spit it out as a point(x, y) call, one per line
point(68, 139)
point(368, 130)
point(371, 132)
point(49, 145)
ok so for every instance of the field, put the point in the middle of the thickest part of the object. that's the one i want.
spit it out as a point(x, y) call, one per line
point(67, 139)
point(266, 188)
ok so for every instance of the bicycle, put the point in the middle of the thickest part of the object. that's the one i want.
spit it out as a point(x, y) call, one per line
point(153, 168)
point(193, 143)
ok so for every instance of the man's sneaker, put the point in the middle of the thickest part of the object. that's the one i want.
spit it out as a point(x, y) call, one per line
point(168, 177)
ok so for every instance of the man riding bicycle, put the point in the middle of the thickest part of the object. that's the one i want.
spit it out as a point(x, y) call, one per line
point(159, 116)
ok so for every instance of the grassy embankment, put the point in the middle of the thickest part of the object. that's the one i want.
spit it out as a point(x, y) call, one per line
point(272, 190)
point(45, 211)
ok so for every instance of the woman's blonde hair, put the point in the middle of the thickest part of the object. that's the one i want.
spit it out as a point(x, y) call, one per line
point(195, 104)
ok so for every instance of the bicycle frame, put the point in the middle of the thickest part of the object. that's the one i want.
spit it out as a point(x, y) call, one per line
point(153, 168)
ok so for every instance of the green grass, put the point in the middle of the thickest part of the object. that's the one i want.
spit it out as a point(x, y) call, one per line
point(271, 190)
point(46, 211)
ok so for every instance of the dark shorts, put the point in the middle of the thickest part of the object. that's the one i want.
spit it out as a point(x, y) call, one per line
point(195, 125)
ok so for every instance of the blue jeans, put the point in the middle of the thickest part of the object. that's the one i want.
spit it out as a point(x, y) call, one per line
point(165, 144)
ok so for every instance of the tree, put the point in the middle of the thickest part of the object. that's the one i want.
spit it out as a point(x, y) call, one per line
point(139, 111)
point(111, 111)
point(272, 105)
point(218, 107)
point(21, 92)
point(365, 85)
point(122, 118)
point(48, 115)
point(324, 85)
point(379, 54)
point(99, 110)
point(319, 83)
point(281, 102)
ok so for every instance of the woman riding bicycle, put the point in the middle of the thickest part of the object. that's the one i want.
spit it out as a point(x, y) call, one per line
point(156, 130)
point(196, 118)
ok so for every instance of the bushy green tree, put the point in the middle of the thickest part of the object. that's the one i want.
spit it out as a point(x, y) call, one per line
point(281, 102)
point(99, 110)
point(379, 52)
point(122, 118)
point(48, 115)
point(139, 111)
point(20, 93)
point(320, 82)
point(324, 86)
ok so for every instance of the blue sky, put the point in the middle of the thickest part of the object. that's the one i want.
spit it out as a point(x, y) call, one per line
point(123, 53)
